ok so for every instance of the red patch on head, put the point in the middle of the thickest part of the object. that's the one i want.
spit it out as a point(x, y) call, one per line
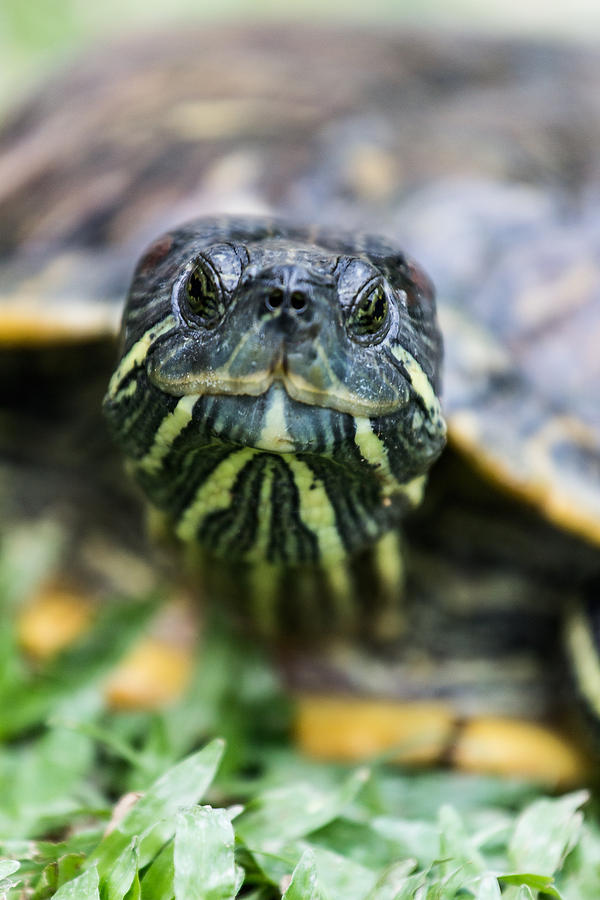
point(156, 252)
point(421, 281)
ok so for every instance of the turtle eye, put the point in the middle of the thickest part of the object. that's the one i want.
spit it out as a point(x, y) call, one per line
point(204, 294)
point(369, 314)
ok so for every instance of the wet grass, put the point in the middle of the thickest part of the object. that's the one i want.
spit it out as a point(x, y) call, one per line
point(228, 807)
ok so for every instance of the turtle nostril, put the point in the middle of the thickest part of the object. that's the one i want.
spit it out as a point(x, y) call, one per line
point(298, 301)
point(274, 299)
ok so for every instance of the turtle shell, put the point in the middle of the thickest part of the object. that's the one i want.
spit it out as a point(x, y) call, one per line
point(477, 155)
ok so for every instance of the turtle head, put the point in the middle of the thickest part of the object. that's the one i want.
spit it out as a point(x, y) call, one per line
point(271, 372)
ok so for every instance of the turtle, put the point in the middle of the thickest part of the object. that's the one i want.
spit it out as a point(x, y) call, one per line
point(280, 389)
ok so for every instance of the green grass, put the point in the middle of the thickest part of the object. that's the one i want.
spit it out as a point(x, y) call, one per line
point(228, 807)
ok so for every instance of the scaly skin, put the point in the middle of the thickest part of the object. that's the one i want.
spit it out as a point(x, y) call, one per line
point(271, 434)
point(284, 417)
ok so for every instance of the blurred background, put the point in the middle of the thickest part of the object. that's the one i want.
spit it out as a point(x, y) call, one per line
point(35, 34)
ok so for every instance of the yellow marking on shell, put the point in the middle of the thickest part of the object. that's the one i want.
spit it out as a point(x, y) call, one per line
point(41, 309)
point(36, 327)
point(523, 466)
point(274, 436)
point(137, 353)
point(215, 494)
point(583, 655)
point(502, 746)
point(170, 427)
point(576, 508)
point(316, 511)
point(419, 380)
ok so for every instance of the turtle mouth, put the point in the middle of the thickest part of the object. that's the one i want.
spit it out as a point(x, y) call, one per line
point(336, 398)
point(309, 381)
point(314, 385)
